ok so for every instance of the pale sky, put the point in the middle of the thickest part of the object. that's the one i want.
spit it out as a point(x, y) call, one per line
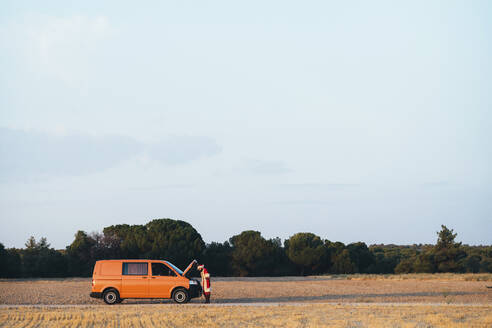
point(355, 120)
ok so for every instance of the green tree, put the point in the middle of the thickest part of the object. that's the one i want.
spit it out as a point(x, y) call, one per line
point(338, 258)
point(136, 243)
point(80, 255)
point(39, 260)
point(424, 263)
point(307, 251)
point(360, 256)
point(113, 237)
point(282, 265)
point(446, 238)
point(31, 257)
point(10, 263)
point(404, 266)
point(471, 263)
point(386, 258)
point(252, 255)
point(342, 263)
point(448, 253)
point(486, 265)
point(486, 262)
point(174, 240)
point(217, 257)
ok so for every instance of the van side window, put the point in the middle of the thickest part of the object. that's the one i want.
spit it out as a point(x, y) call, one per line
point(159, 269)
point(139, 269)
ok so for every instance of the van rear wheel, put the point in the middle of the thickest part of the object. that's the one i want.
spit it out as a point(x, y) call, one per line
point(111, 297)
point(181, 296)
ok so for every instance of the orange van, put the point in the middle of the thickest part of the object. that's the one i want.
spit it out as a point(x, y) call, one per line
point(115, 280)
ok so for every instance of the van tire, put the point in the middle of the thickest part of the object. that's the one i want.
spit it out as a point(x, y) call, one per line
point(181, 296)
point(111, 296)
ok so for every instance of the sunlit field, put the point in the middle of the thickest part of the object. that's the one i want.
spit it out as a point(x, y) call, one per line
point(314, 315)
point(427, 300)
point(426, 288)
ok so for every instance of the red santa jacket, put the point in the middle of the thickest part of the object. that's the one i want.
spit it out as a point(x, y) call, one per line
point(205, 280)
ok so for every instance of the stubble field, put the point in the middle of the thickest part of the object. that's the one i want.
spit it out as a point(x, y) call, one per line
point(336, 301)
point(313, 315)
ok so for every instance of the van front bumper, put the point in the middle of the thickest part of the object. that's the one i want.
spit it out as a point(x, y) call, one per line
point(195, 291)
point(96, 295)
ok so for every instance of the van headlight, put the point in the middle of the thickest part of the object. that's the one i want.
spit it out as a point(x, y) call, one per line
point(193, 282)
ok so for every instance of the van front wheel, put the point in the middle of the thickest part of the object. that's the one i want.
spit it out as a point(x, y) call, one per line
point(111, 297)
point(181, 296)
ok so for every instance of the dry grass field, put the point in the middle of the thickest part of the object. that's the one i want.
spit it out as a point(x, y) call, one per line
point(313, 315)
point(445, 288)
point(323, 301)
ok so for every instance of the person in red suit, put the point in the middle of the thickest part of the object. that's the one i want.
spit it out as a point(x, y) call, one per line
point(205, 282)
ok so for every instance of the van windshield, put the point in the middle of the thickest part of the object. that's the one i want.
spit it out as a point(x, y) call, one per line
point(178, 270)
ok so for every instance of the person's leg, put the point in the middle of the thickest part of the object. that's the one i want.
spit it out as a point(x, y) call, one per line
point(207, 298)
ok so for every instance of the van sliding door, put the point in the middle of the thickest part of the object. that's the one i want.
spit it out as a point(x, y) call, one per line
point(135, 280)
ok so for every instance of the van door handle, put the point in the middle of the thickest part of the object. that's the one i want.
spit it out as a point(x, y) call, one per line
point(152, 277)
point(144, 277)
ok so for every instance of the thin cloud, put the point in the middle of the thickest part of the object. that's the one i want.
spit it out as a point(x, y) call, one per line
point(435, 184)
point(29, 154)
point(319, 185)
point(182, 149)
point(162, 187)
point(266, 167)
point(301, 202)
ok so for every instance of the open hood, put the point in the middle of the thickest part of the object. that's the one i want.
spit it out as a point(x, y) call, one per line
point(189, 268)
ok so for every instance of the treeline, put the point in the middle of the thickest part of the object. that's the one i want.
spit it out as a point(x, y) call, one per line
point(245, 254)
